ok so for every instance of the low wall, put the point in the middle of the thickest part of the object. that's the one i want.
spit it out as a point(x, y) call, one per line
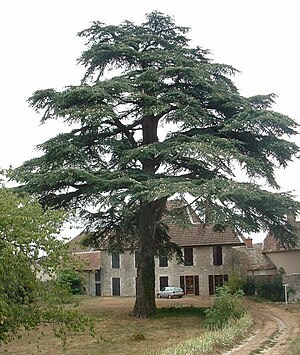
point(293, 281)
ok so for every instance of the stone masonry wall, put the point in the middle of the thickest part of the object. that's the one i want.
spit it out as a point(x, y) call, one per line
point(293, 281)
point(202, 266)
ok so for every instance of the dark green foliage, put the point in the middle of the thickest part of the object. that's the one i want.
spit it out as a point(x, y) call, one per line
point(265, 287)
point(72, 280)
point(249, 287)
point(270, 288)
point(169, 121)
point(227, 305)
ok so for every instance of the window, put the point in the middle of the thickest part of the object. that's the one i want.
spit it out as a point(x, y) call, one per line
point(97, 275)
point(163, 259)
point(115, 260)
point(188, 256)
point(98, 283)
point(217, 255)
point(116, 286)
point(163, 282)
point(216, 281)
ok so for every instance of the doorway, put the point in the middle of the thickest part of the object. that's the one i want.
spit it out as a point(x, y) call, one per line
point(190, 284)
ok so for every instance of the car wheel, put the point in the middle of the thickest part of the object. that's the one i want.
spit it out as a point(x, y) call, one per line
point(169, 296)
point(158, 295)
point(180, 296)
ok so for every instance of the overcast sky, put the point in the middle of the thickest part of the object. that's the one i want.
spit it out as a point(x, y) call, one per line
point(39, 48)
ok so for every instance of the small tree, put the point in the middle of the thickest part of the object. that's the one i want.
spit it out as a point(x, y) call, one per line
point(169, 121)
point(71, 279)
point(28, 249)
point(236, 282)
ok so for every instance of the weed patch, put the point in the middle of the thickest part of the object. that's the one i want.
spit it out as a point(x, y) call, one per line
point(212, 340)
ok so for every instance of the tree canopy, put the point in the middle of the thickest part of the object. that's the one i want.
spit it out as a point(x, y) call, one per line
point(29, 248)
point(154, 117)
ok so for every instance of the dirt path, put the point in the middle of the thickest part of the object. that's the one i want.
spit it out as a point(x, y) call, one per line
point(274, 327)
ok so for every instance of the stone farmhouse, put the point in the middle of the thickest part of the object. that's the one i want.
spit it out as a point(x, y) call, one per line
point(208, 262)
point(264, 261)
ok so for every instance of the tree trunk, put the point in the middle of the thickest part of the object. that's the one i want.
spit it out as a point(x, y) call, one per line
point(149, 215)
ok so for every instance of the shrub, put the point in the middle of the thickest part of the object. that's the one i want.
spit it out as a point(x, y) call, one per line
point(235, 282)
point(71, 279)
point(226, 306)
point(271, 289)
point(249, 286)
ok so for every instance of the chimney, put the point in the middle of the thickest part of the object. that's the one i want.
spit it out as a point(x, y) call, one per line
point(248, 242)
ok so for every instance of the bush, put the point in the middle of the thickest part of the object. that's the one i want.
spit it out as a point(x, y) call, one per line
point(71, 279)
point(235, 283)
point(271, 289)
point(227, 306)
point(249, 286)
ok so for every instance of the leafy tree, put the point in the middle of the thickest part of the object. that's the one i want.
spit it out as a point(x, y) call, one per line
point(167, 120)
point(28, 249)
point(71, 279)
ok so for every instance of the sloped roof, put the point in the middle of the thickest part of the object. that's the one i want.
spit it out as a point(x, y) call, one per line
point(191, 232)
point(252, 258)
point(270, 244)
point(75, 244)
point(189, 235)
point(89, 261)
point(200, 234)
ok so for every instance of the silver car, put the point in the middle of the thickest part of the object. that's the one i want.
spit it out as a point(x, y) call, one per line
point(170, 292)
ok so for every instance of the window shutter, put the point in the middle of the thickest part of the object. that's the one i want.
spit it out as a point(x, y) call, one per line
point(98, 275)
point(217, 255)
point(163, 260)
point(115, 260)
point(196, 285)
point(211, 289)
point(182, 285)
point(163, 282)
point(188, 256)
point(116, 286)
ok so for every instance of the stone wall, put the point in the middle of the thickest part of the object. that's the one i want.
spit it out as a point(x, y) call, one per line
point(202, 267)
point(293, 281)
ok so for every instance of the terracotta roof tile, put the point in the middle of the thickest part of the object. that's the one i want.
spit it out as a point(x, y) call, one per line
point(252, 258)
point(191, 233)
point(88, 260)
point(200, 234)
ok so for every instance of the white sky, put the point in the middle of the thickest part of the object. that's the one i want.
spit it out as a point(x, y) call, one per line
point(39, 48)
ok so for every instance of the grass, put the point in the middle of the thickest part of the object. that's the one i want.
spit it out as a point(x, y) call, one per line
point(212, 340)
point(181, 311)
point(117, 332)
point(294, 346)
